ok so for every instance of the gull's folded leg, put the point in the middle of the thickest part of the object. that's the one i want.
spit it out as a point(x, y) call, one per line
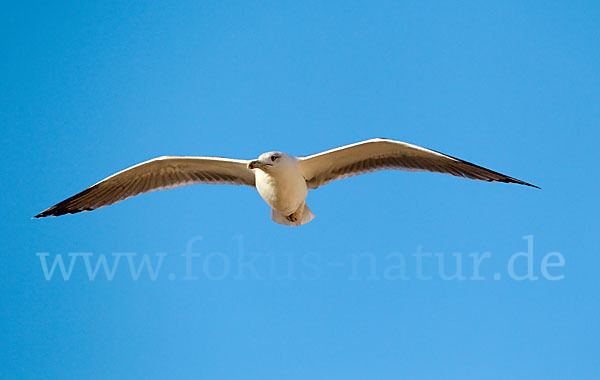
point(297, 218)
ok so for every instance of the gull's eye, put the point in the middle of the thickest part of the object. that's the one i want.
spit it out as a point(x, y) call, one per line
point(274, 158)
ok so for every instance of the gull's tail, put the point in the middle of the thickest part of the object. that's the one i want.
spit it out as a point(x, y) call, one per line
point(301, 216)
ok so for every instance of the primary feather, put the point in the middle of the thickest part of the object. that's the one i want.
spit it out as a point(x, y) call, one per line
point(381, 154)
point(157, 174)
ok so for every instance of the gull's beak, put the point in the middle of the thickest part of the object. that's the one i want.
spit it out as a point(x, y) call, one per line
point(255, 164)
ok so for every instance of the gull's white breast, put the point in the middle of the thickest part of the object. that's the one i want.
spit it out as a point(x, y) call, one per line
point(284, 190)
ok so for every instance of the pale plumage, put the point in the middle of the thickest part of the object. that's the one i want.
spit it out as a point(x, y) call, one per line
point(282, 180)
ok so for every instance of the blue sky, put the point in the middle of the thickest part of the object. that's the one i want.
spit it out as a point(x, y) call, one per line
point(89, 88)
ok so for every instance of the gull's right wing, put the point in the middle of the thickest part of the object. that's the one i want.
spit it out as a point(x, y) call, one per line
point(156, 174)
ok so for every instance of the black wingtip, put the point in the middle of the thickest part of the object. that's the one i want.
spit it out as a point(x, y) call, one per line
point(45, 213)
point(56, 210)
point(526, 184)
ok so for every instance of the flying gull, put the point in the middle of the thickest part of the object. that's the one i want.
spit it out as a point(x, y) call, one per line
point(282, 180)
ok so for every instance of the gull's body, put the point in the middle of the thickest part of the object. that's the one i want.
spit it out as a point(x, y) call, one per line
point(282, 180)
point(283, 188)
point(283, 191)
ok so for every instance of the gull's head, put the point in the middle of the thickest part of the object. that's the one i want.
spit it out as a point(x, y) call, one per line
point(272, 162)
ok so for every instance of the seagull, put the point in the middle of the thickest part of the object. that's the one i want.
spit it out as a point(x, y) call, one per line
point(282, 180)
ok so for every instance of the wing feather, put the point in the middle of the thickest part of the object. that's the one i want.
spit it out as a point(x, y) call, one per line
point(156, 174)
point(383, 154)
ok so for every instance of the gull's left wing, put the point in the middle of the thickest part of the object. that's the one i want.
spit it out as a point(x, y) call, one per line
point(157, 174)
point(383, 154)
